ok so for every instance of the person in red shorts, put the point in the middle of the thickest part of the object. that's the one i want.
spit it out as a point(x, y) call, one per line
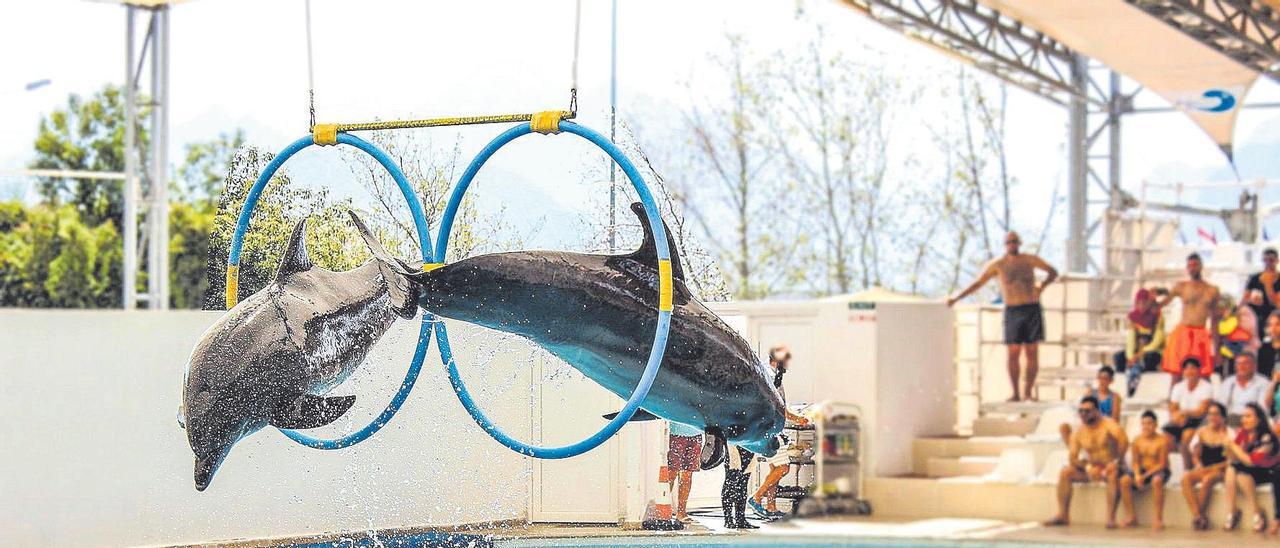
point(684, 457)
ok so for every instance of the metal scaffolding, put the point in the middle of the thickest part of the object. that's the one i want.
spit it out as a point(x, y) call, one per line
point(146, 163)
point(1244, 30)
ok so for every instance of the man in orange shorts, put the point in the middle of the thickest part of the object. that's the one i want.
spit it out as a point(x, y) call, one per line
point(1193, 338)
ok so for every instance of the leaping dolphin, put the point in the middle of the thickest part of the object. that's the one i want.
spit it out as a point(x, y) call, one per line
point(598, 313)
point(271, 358)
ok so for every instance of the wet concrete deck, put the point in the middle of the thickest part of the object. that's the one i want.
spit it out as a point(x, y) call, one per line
point(846, 529)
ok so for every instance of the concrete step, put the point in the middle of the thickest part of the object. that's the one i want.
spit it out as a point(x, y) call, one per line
point(946, 467)
point(933, 498)
point(923, 449)
point(1004, 426)
point(1086, 374)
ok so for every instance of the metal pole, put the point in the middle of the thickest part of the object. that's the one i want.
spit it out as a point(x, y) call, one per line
point(129, 225)
point(1078, 170)
point(158, 212)
point(613, 126)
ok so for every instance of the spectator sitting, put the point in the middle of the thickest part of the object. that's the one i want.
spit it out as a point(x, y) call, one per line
point(1237, 330)
point(1104, 444)
point(1210, 456)
point(1243, 388)
point(684, 457)
point(1253, 455)
point(1145, 341)
point(1150, 468)
point(1108, 401)
point(1188, 403)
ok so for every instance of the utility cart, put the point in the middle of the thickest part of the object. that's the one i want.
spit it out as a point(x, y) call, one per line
point(828, 454)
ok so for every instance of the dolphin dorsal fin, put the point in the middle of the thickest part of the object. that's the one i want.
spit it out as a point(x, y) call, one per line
point(648, 252)
point(295, 255)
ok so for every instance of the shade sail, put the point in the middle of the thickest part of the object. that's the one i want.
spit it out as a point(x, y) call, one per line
point(1205, 84)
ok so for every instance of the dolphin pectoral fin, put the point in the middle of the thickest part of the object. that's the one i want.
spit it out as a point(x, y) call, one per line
point(648, 252)
point(295, 257)
point(308, 411)
point(640, 416)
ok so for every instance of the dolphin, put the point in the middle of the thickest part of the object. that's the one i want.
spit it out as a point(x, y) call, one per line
point(272, 358)
point(598, 314)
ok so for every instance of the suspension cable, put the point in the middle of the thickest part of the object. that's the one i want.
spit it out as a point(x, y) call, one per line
point(311, 69)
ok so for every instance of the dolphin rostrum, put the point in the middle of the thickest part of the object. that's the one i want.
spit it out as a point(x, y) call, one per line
point(271, 358)
point(598, 314)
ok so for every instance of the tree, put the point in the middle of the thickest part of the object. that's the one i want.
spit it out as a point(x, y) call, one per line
point(332, 242)
point(205, 168)
point(732, 178)
point(86, 135)
point(49, 257)
point(833, 133)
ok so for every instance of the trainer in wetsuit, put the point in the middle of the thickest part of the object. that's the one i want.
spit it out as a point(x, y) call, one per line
point(1023, 316)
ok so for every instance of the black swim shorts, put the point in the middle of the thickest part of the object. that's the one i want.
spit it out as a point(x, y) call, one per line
point(1023, 324)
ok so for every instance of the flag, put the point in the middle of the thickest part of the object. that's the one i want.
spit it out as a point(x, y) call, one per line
point(1207, 235)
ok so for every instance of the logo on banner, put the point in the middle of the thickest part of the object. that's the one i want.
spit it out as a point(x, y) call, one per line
point(1213, 100)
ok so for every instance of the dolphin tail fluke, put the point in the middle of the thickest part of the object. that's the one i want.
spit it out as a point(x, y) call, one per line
point(396, 272)
point(308, 411)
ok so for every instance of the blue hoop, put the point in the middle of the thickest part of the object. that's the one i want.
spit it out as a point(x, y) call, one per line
point(664, 304)
point(419, 221)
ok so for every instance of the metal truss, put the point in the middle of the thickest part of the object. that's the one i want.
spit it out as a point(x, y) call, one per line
point(1028, 59)
point(984, 38)
point(1244, 30)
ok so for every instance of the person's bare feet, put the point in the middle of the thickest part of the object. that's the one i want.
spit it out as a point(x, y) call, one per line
point(1057, 521)
point(1014, 399)
point(1111, 524)
point(1131, 522)
point(684, 519)
point(1157, 526)
point(1275, 526)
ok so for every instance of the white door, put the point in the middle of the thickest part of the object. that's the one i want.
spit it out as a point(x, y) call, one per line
point(581, 489)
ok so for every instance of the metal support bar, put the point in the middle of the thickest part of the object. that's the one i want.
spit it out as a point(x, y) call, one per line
point(129, 226)
point(158, 212)
point(986, 39)
point(1077, 171)
point(1245, 31)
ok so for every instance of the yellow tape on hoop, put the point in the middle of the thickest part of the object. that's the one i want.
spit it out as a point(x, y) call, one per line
point(546, 122)
point(428, 267)
point(664, 285)
point(233, 285)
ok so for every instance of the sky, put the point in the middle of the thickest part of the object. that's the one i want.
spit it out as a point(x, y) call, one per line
point(241, 63)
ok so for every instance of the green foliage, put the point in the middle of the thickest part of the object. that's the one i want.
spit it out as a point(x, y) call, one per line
point(332, 241)
point(50, 257)
point(189, 227)
point(205, 168)
point(86, 135)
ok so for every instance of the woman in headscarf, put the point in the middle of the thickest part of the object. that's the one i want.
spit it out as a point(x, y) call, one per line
point(1145, 343)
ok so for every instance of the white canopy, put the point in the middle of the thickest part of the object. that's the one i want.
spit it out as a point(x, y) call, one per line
point(1205, 84)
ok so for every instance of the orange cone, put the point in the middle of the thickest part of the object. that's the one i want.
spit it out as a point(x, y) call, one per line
point(663, 519)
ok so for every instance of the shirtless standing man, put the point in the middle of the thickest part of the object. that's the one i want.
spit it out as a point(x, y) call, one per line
point(1192, 338)
point(1023, 316)
point(1150, 468)
point(1104, 443)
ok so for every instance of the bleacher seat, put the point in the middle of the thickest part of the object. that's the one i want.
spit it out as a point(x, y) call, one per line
point(1052, 467)
point(1153, 389)
point(1014, 466)
point(1047, 430)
